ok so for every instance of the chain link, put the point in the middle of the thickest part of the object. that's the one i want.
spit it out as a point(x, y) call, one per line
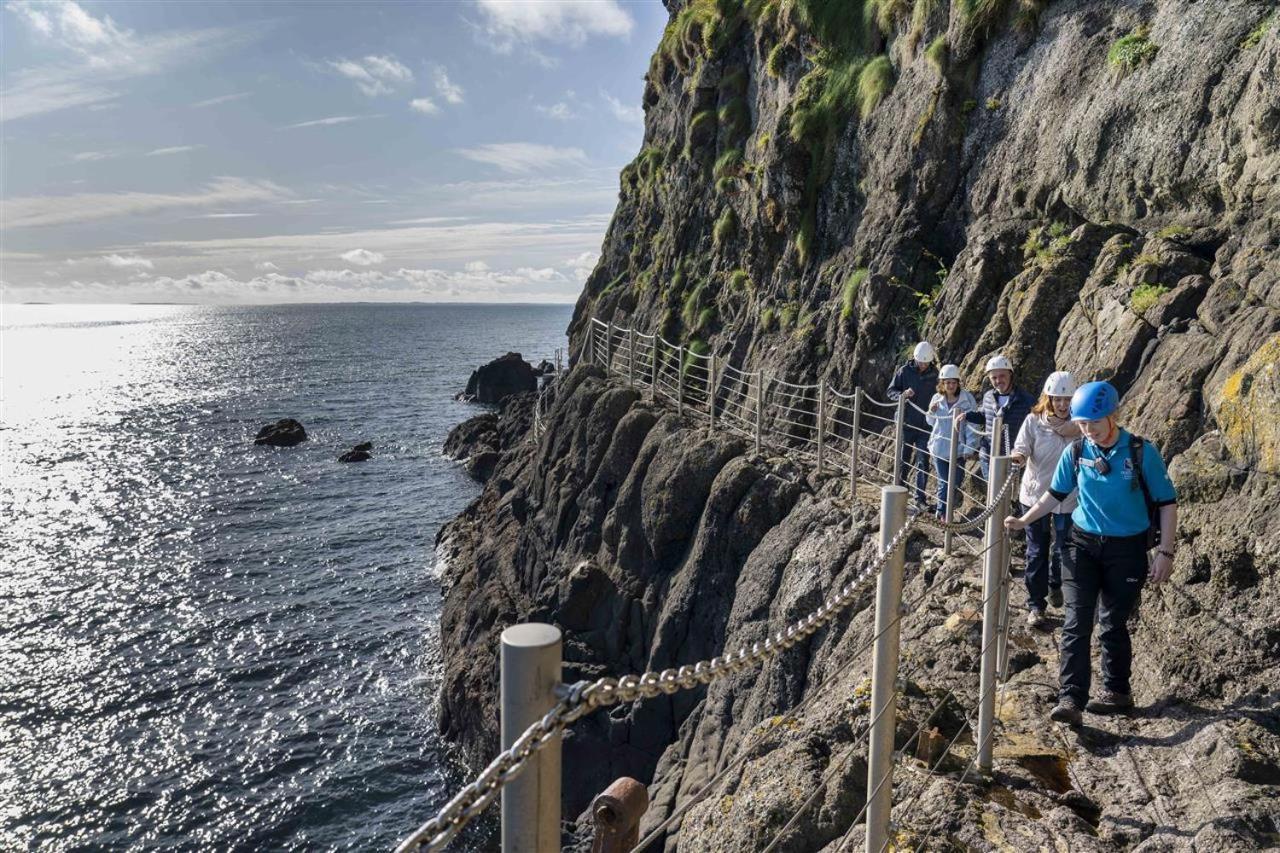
point(981, 518)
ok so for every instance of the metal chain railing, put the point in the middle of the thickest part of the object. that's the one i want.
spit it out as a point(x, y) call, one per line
point(584, 697)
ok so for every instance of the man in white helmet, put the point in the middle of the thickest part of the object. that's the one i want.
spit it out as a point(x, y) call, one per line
point(1003, 398)
point(916, 381)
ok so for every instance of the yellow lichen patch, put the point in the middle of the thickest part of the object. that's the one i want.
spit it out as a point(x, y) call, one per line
point(1247, 409)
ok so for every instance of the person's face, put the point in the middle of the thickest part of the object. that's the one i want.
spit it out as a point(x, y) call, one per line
point(922, 366)
point(1001, 380)
point(1061, 406)
point(1096, 431)
point(951, 386)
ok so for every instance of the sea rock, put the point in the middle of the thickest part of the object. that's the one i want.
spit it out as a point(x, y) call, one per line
point(285, 432)
point(544, 367)
point(359, 453)
point(500, 378)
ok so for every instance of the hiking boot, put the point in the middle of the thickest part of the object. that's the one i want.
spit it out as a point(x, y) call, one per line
point(1110, 702)
point(1067, 711)
point(1055, 596)
point(1036, 620)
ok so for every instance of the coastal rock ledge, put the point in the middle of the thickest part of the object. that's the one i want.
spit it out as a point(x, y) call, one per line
point(285, 432)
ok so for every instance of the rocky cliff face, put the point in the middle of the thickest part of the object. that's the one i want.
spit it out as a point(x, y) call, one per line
point(1089, 186)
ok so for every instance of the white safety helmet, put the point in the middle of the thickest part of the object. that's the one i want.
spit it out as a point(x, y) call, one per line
point(998, 362)
point(949, 371)
point(924, 353)
point(1060, 384)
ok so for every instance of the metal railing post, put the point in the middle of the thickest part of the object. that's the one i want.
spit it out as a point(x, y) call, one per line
point(657, 351)
point(949, 493)
point(884, 672)
point(711, 391)
point(992, 569)
point(759, 407)
point(680, 379)
point(854, 441)
point(591, 341)
point(899, 424)
point(608, 350)
point(822, 425)
point(631, 357)
point(530, 672)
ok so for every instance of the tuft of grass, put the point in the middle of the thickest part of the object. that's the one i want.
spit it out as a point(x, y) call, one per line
point(886, 13)
point(762, 142)
point(726, 226)
point(728, 164)
point(969, 106)
point(920, 12)
point(768, 320)
point(692, 306)
point(1146, 295)
point(1043, 244)
point(984, 15)
point(735, 117)
point(787, 315)
point(849, 294)
point(874, 83)
point(740, 281)
point(993, 103)
point(1174, 232)
point(1258, 33)
point(776, 62)
point(937, 53)
point(1146, 259)
point(726, 184)
point(806, 236)
point(701, 129)
point(1132, 50)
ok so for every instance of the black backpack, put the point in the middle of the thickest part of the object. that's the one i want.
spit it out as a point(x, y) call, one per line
point(1136, 448)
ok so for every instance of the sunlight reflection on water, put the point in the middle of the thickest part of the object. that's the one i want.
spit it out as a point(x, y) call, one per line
point(204, 642)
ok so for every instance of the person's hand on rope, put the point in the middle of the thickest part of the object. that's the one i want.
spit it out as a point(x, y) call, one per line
point(1014, 522)
point(909, 393)
point(1161, 568)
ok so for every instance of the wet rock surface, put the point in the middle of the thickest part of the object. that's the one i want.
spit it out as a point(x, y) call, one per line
point(499, 379)
point(285, 432)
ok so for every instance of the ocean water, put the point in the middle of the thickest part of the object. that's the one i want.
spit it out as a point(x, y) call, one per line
point(209, 644)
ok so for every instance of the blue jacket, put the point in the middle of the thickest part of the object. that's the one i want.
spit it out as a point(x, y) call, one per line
point(925, 386)
point(1015, 411)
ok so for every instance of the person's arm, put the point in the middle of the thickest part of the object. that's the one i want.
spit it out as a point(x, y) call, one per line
point(1023, 445)
point(896, 386)
point(1038, 510)
point(931, 414)
point(1162, 565)
point(1064, 483)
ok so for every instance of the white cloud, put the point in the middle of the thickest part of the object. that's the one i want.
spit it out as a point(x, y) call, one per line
point(476, 266)
point(426, 106)
point(266, 266)
point(524, 157)
point(559, 111)
point(94, 156)
point(326, 122)
point(445, 87)
point(363, 257)
point(582, 265)
point(99, 55)
point(55, 210)
point(228, 215)
point(175, 149)
point(221, 99)
point(572, 22)
point(623, 112)
point(374, 75)
point(128, 262)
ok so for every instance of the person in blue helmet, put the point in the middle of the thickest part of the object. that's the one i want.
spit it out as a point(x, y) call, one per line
point(1124, 495)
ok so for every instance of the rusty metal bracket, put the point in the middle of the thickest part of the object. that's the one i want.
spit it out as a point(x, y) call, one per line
point(617, 812)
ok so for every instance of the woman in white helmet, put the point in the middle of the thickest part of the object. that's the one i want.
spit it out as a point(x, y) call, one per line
point(1046, 432)
point(949, 399)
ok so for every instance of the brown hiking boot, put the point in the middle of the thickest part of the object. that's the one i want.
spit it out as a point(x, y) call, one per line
point(1067, 711)
point(1110, 702)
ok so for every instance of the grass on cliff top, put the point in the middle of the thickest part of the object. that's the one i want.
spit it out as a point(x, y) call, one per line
point(1132, 50)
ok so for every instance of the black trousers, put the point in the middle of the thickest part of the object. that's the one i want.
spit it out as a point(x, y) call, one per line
point(1103, 579)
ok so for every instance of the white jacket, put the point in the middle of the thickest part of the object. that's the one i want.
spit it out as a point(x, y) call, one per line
point(940, 424)
point(1042, 446)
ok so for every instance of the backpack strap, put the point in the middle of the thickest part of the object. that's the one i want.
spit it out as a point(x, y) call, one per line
point(1077, 447)
point(1137, 446)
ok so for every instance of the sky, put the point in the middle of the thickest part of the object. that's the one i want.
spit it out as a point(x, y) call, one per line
point(309, 152)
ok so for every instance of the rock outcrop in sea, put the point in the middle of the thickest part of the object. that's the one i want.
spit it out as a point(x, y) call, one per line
point(285, 432)
point(500, 378)
point(1081, 185)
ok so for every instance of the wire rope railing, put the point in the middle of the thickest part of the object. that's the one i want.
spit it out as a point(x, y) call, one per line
point(824, 425)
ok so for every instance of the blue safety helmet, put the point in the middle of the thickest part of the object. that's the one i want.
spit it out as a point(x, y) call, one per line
point(1094, 401)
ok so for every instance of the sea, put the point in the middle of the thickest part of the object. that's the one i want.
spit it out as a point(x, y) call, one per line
point(207, 644)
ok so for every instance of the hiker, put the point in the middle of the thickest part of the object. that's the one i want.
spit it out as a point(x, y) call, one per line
point(949, 399)
point(1125, 496)
point(916, 379)
point(1002, 398)
point(1047, 432)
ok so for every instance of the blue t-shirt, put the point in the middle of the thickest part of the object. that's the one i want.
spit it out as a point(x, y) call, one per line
point(1112, 505)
